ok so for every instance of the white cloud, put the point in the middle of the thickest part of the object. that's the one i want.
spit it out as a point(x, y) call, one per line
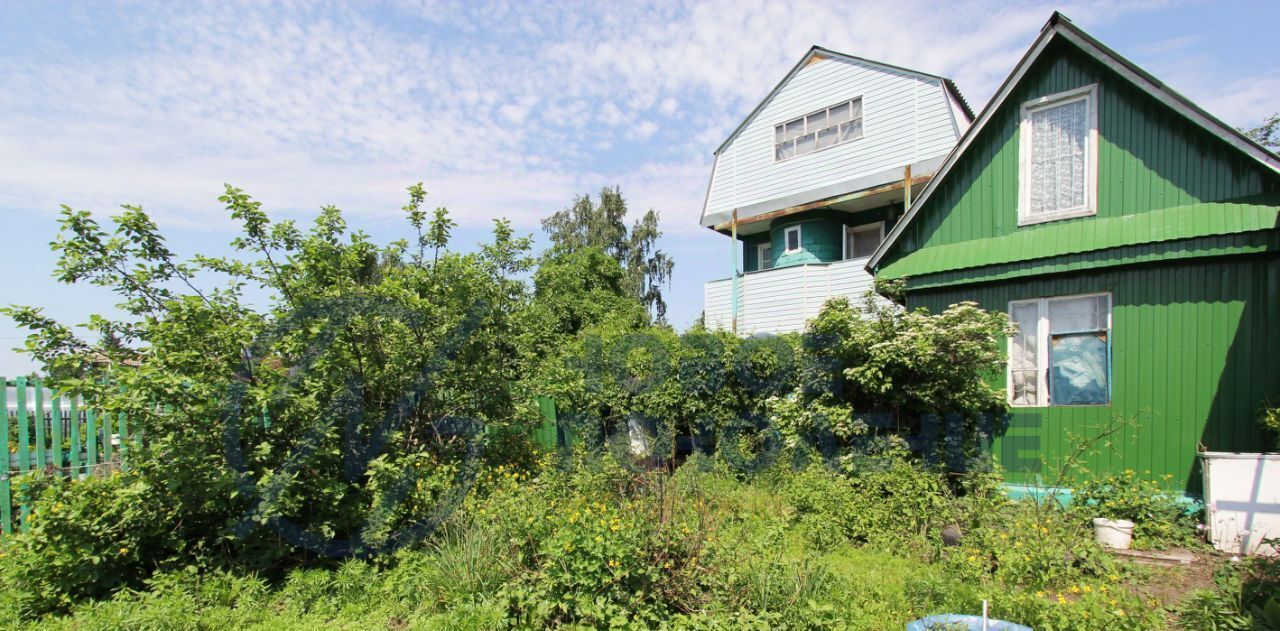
point(497, 106)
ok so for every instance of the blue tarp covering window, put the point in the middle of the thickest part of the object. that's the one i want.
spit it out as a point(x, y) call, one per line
point(1078, 369)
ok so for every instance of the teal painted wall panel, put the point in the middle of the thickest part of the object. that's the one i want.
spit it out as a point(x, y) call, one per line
point(821, 241)
point(1195, 351)
point(750, 262)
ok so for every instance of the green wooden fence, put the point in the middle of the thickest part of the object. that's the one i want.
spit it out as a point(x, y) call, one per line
point(43, 430)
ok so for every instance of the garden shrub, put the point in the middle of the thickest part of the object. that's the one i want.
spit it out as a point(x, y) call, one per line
point(891, 504)
point(1159, 519)
point(86, 539)
point(1031, 545)
point(1246, 596)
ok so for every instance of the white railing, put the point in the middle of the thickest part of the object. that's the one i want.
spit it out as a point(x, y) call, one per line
point(783, 299)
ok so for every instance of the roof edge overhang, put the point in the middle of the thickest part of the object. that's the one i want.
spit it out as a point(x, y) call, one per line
point(1060, 25)
point(845, 190)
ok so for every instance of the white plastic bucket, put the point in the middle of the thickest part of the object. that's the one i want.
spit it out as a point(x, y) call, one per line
point(1113, 533)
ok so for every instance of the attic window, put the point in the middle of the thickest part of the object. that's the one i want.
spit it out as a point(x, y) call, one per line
point(1058, 155)
point(825, 128)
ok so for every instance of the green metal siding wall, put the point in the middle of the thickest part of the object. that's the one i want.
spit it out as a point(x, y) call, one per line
point(1149, 157)
point(1195, 350)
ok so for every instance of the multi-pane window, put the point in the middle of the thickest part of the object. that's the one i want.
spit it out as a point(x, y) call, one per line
point(1057, 157)
point(819, 130)
point(791, 238)
point(862, 241)
point(764, 256)
point(1061, 354)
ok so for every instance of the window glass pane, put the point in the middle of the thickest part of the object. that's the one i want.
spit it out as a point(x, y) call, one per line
point(1078, 369)
point(806, 143)
point(1058, 136)
point(1026, 387)
point(1024, 369)
point(1078, 314)
point(784, 150)
point(856, 109)
point(838, 114)
point(778, 134)
point(814, 122)
point(865, 242)
point(851, 130)
point(827, 137)
point(795, 129)
point(793, 239)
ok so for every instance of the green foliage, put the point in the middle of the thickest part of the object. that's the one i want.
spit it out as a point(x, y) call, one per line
point(1269, 419)
point(86, 539)
point(1246, 596)
point(911, 362)
point(1160, 520)
point(602, 225)
point(1028, 544)
point(893, 505)
point(1268, 133)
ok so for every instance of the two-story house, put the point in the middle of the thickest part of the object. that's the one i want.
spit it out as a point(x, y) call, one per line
point(808, 185)
point(1135, 241)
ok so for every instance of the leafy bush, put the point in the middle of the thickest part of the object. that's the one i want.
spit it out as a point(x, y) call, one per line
point(1159, 519)
point(1245, 596)
point(1030, 545)
point(892, 505)
point(85, 539)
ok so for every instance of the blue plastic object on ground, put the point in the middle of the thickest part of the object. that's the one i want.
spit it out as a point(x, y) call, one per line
point(955, 620)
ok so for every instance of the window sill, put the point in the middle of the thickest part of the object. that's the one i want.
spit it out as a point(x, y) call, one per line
point(1024, 220)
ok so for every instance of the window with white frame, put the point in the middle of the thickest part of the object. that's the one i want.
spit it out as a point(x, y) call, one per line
point(1061, 354)
point(764, 255)
point(862, 241)
point(819, 130)
point(1058, 156)
point(791, 239)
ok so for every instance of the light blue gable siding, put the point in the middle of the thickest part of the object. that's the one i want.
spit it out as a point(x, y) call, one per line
point(907, 119)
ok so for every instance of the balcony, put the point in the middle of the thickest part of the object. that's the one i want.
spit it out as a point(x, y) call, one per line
point(781, 300)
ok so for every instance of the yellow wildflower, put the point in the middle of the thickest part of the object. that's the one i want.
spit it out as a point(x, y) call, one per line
point(1087, 589)
point(1061, 599)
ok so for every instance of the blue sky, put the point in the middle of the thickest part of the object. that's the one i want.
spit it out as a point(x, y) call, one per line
point(502, 109)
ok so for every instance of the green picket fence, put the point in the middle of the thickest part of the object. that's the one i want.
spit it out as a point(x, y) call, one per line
point(45, 431)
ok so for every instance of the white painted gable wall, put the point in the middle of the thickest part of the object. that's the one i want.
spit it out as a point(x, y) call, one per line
point(907, 118)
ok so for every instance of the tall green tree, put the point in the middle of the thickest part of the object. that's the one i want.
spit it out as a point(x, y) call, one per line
point(602, 224)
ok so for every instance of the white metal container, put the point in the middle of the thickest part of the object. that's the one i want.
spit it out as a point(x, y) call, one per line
point(1242, 500)
point(1113, 533)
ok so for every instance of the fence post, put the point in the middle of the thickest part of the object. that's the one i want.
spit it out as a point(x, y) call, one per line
point(124, 439)
point(39, 391)
point(24, 443)
point(75, 437)
point(91, 439)
point(6, 506)
point(55, 428)
point(106, 437)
